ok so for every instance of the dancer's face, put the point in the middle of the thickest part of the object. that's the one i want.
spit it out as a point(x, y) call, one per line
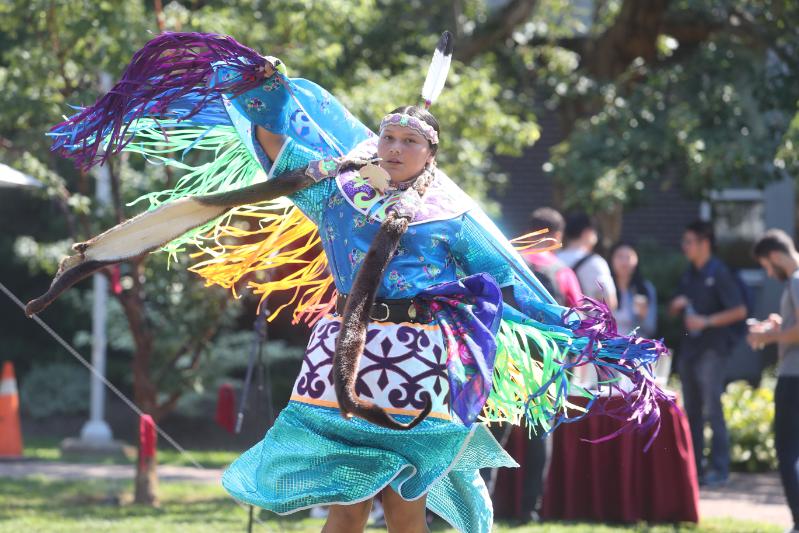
point(403, 152)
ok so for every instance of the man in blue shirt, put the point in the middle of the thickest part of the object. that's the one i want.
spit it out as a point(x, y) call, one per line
point(710, 300)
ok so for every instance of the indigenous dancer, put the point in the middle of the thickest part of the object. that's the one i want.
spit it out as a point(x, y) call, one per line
point(436, 325)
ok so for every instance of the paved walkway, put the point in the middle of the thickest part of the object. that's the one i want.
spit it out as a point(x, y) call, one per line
point(757, 497)
point(74, 471)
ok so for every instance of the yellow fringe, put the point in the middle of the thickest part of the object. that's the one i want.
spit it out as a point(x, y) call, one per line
point(284, 236)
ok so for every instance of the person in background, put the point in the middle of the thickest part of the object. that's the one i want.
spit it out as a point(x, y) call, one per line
point(636, 296)
point(562, 283)
point(592, 270)
point(553, 273)
point(776, 253)
point(710, 300)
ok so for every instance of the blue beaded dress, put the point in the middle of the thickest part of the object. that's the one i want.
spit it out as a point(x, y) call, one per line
point(186, 93)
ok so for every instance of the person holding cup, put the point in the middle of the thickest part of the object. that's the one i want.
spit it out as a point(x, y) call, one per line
point(636, 296)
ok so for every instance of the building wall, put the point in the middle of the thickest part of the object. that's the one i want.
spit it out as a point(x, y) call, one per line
point(661, 218)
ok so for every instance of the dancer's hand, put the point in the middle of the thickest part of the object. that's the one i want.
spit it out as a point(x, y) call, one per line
point(330, 167)
point(347, 163)
point(271, 66)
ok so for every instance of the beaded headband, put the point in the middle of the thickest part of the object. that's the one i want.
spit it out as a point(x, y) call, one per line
point(420, 126)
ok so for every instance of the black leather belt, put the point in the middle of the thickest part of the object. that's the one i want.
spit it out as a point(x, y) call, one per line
point(405, 310)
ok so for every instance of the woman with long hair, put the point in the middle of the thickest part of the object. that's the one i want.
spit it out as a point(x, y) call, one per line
point(637, 297)
point(426, 321)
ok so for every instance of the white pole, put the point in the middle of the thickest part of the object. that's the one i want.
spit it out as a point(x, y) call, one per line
point(96, 431)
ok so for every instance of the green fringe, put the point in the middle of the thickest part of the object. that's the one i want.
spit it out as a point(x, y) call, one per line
point(231, 165)
point(526, 359)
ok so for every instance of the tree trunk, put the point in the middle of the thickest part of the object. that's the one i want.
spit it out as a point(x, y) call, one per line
point(144, 391)
point(146, 481)
point(610, 225)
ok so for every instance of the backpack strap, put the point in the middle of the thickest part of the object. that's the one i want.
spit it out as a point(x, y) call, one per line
point(583, 260)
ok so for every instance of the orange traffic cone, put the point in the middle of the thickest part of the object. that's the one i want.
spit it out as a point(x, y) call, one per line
point(10, 433)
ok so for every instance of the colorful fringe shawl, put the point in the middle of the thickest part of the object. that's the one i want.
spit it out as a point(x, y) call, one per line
point(165, 109)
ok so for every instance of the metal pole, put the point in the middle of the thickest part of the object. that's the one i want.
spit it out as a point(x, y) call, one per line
point(96, 431)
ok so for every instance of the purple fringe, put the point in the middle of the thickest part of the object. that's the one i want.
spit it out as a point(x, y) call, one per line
point(630, 356)
point(166, 69)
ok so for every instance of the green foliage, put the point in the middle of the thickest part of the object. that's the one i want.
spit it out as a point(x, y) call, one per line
point(788, 155)
point(704, 119)
point(705, 115)
point(227, 363)
point(55, 389)
point(750, 419)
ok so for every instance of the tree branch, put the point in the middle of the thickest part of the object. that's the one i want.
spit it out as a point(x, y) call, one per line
point(576, 44)
point(58, 51)
point(689, 27)
point(633, 34)
point(116, 195)
point(167, 406)
point(495, 30)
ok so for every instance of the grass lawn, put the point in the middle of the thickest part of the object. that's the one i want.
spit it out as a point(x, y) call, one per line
point(46, 449)
point(100, 506)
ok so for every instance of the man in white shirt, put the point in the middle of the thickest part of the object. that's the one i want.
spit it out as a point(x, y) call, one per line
point(592, 270)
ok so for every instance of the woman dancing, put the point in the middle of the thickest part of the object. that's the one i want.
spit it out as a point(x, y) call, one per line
point(436, 325)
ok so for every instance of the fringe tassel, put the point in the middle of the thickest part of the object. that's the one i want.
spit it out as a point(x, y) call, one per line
point(230, 167)
point(534, 363)
point(530, 381)
point(284, 238)
point(616, 357)
point(168, 69)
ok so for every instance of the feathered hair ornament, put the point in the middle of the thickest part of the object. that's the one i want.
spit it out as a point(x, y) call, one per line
point(439, 68)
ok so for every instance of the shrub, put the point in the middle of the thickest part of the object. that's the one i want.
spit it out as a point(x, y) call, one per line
point(55, 389)
point(750, 421)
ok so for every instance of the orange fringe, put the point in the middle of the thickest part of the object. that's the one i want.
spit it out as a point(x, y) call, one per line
point(284, 237)
point(527, 244)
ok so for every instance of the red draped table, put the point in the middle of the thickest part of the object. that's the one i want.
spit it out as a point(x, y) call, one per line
point(611, 481)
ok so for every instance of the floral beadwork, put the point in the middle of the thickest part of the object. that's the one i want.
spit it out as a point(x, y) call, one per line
point(324, 104)
point(398, 281)
point(431, 271)
point(256, 104)
point(335, 200)
point(360, 221)
point(356, 257)
point(271, 84)
point(401, 119)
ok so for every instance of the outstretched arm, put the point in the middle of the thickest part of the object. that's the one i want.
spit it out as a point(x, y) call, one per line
point(153, 229)
point(270, 142)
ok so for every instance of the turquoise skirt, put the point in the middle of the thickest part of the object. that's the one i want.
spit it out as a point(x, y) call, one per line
point(313, 456)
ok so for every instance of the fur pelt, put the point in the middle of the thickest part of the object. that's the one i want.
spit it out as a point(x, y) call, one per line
point(352, 337)
point(151, 230)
